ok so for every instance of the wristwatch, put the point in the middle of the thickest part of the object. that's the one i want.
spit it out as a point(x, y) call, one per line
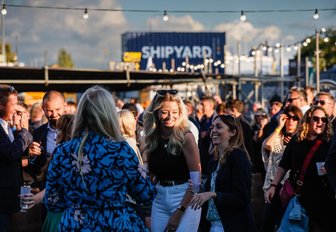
point(181, 208)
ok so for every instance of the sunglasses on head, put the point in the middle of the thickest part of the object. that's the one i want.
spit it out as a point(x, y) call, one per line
point(322, 102)
point(294, 117)
point(10, 89)
point(163, 92)
point(290, 100)
point(317, 119)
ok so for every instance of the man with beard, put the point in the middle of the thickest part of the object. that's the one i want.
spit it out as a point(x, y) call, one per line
point(41, 149)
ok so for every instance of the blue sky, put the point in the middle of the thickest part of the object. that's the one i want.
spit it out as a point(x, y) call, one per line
point(96, 41)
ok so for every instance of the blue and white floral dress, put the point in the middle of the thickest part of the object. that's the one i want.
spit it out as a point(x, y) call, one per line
point(93, 194)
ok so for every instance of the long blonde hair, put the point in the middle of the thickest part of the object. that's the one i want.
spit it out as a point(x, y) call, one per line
point(151, 124)
point(304, 125)
point(127, 123)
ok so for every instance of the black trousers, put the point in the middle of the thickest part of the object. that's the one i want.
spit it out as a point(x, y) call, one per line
point(4, 222)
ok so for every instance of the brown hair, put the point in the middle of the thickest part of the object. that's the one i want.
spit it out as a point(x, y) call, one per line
point(236, 141)
point(64, 127)
point(236, 104)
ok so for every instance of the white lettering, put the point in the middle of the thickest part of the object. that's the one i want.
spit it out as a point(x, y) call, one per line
point(197, 52)
point(187, 52)
point(155, 52)
point(180, 52)
point(145, 52)
point(169, 51)
point(207, 52)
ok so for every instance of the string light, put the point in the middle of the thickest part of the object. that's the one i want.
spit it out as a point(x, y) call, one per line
point(242, 16)
point(316, 14)
point(4, 10)
point(326, 39)
point(308, 40)
point(86, 14)
point(165, 16)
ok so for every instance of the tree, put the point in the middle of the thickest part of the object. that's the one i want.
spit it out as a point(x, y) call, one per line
point(11, 57)
point(327, 49)
point(64, 59)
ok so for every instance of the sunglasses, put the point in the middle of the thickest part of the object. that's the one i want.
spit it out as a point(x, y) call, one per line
point(163, 92)
point(317, 119)
point(322, 102)
point(293, 117)
point(290, 100)
point(261, 115)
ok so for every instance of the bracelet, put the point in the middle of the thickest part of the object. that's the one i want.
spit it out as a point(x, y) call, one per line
point(274, 185)
point(181, 208)
point(277, 130)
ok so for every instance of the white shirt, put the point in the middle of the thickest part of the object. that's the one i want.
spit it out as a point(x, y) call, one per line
point(6, 127)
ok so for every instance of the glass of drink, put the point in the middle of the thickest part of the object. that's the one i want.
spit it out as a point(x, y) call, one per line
point(25, 189)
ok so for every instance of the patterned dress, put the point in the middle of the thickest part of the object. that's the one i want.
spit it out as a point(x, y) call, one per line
point(93, 197)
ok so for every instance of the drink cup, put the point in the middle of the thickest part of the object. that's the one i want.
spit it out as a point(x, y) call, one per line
point(23, 191)
point(195, 177)
point(320, 168)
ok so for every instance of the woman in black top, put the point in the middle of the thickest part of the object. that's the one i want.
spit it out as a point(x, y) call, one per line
point(229, 181)
point(316, 195)
point(173, 159)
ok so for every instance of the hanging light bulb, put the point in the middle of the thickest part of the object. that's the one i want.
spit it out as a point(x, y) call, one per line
point(86, 14)
point(242, 16)
point(288, 49)
point(326, 39)
point(4, 10)
point(316, 14)
point(308, 40)
point(165, 16)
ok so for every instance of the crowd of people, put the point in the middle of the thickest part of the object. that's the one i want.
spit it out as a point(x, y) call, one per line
point(177, 165)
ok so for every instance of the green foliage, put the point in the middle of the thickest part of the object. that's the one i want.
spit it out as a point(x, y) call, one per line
point(327, 49)
point(64, 59)
point(11, 57)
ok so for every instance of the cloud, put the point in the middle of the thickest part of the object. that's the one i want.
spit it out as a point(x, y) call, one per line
point(183, 23)
point(91, 43)
point(248, 34)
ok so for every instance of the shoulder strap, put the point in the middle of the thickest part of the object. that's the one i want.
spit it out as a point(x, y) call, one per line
point(307, 160)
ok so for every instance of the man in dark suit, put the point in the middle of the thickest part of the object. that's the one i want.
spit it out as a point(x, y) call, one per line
point(40, 151)
point(12, 146)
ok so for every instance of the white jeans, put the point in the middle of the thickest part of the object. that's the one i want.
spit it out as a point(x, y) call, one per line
point(167, 200)
point(216, 226)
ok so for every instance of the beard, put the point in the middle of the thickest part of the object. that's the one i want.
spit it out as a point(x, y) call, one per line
point(53, 122)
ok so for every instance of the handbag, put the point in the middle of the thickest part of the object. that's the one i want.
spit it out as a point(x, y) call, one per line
point(295, 218)
point(287, 191)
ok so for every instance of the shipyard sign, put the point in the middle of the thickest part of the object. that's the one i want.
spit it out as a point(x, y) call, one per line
point(178, 52)
point(173, 48)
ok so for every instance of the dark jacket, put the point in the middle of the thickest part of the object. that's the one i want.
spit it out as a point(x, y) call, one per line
point(233, 189)
point(10, 168)
point(330, 164)
point(39, 163)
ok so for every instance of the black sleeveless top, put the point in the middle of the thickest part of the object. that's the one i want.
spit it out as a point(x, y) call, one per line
point(166, 166)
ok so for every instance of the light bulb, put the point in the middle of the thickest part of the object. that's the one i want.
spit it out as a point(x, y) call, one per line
point(316, 14)
point(288, 49)
point(326, 39)
point(165, 16)
point(86, 14)
point(242, 16)
point(308, 40)
point(4, 10)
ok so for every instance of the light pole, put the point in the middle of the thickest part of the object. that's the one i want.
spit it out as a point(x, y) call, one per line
point(317, 54)
point(3, 46)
